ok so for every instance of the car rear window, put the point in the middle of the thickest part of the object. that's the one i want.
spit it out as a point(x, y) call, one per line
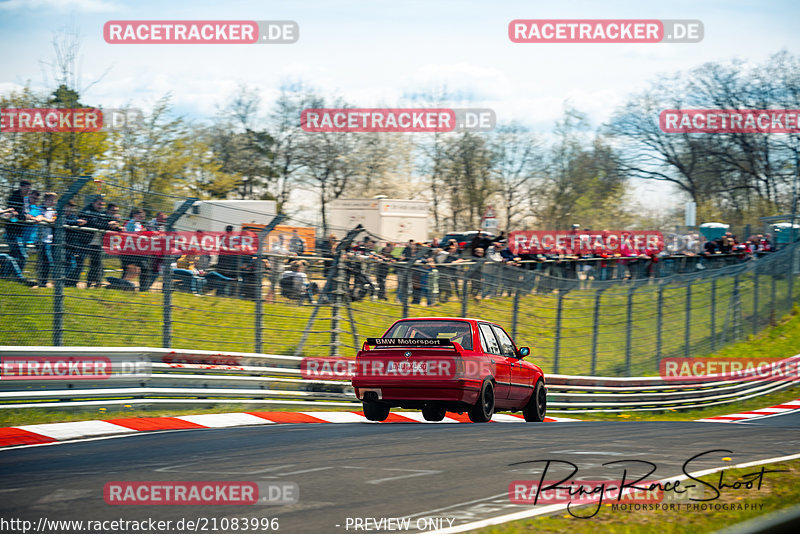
point(457, 331)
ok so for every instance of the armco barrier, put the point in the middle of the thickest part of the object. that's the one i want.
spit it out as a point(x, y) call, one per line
point(200, 378)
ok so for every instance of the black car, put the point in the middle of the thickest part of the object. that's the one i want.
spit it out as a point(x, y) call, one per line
point(464, 238)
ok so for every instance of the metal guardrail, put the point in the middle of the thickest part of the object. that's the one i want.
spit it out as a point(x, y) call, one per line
point(195, 378)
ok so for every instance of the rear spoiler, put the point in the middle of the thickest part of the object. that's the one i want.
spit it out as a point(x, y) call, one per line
point(410, 342)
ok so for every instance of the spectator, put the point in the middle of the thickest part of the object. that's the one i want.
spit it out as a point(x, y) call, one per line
point(112, 212)
point(279, 247)
point(31, 232)
point(17, 207)
point(250, 288)
point(491, 270)
point(327, 250)
point(384, 259)
point(158, 223)
point(407, 257)
point(420, 281)
point(187, 274)
point(48, 215)
point(153, 265)
point(75, 241)
point(475, 273)
point(228, 266)
point(276, 265)
point(96, 218)
point(132, 265)
point(295, 285)
point(481, 241)
point(625, 251)
point(9, 270)
point(296, 244)
point(448, 279)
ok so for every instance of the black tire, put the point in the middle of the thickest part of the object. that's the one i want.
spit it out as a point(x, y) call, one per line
point(536, 408)
point(375, 411)
point(483, 409)
point(433, 413)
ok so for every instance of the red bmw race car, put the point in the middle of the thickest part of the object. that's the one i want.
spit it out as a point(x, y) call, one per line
point(440, 364)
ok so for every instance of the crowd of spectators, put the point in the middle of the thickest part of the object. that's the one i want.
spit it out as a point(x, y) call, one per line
point(432, 272)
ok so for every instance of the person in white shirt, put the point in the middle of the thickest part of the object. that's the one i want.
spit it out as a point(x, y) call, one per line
point(48, 215)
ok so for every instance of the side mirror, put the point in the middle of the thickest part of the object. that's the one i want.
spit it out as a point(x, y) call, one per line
point(523, 351)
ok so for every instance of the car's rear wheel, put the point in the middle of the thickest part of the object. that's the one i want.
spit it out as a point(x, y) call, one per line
point(483, 409)
point(433, 413)
point(536, 408)
point(375, 411)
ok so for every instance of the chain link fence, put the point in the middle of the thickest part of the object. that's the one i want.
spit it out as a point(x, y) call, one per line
point(609, 317)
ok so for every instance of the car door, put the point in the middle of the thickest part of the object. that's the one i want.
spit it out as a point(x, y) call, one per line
point(493, 351)
point(520, 375)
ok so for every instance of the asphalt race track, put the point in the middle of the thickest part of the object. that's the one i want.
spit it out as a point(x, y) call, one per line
point(456, 472)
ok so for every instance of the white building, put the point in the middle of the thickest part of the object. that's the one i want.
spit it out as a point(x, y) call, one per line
point(215, 215)
point(390, 219)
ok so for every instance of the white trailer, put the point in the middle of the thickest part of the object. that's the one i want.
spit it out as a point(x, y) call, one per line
point(215, 215)
point(390, 219)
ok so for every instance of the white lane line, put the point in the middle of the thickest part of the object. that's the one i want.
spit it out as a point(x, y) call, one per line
point(773, 415)
point(76, 429)
point(417, 416)
point(415, 473)
point(337, 417)
point(507, 418)
point(562, 506)
point(222, 420)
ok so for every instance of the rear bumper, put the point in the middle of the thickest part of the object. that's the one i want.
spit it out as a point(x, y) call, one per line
point(449, 391)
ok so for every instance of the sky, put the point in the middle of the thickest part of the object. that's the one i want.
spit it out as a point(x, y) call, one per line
point(382, 53)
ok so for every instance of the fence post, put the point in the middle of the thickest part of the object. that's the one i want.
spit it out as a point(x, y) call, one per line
point(403, 283)
point(337, 302)
point(713, 315)
point(596, 329)
point(557, 345)
point(262, 235)
point(409, 274)
point(659, 323)
point(629, 331)
point(464, 292)
point(687, 341)
point(331, 285)
point(790, 289)
point(60, 254)
point(166, 335)
point(515, 314)
point(755, 299)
